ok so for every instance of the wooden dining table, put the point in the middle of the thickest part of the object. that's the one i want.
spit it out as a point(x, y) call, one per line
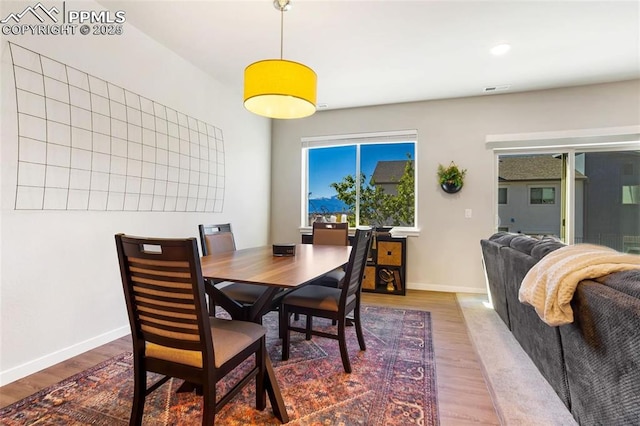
point(259, 266)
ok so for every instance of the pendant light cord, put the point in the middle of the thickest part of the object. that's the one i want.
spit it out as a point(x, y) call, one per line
point(281, 32)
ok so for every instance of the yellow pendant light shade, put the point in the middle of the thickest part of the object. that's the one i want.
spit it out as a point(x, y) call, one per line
point(278, 88)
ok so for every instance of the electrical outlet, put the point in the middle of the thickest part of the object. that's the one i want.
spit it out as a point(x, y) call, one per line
point(467, 213)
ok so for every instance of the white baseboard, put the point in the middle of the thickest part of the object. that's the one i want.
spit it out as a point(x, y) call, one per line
point(445, 288)
point(48, 360)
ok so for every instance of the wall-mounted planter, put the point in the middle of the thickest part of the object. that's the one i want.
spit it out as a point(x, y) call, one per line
point(451, 178)
point(450, 188)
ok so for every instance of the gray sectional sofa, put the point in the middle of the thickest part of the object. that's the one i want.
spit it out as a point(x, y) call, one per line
point(593, 364)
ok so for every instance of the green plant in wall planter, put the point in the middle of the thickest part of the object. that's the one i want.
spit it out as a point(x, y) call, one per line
point(451, 178)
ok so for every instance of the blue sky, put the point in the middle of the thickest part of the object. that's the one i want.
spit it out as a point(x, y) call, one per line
point(327, 165)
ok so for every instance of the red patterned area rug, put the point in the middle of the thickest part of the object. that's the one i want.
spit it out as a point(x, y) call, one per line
point(393, 383)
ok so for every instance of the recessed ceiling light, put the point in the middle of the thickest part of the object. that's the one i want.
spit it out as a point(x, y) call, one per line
point(500, 49)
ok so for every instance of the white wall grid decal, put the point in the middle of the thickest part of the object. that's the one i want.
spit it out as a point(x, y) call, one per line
point(87, 144)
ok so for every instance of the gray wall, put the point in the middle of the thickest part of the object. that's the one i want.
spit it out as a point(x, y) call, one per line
point(446, 255)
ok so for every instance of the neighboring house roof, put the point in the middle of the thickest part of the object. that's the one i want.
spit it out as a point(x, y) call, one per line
point(389, 171)
point(544, 167)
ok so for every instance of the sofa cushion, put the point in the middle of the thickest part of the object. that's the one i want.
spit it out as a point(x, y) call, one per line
point(523, 243)
point(503, 238)
point(545, 246)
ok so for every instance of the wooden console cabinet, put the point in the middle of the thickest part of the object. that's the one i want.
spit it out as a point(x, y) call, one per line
point(386, 265)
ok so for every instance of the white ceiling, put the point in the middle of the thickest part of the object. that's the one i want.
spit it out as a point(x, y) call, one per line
point(389, 51)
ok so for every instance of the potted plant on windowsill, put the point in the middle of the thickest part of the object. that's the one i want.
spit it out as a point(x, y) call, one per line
point(451, 178)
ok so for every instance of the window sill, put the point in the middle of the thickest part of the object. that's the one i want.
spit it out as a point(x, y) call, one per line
point(398, 231)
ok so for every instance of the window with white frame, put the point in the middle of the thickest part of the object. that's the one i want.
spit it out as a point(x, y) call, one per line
point(361, 179)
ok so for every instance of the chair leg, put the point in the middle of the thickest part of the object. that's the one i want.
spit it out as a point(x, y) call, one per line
point(286, 333)
point(343, 345)
point(208, 404)
point(139, 393)
point(358, 324)
point(309, 323)
point(261, 395)
point(283, 322)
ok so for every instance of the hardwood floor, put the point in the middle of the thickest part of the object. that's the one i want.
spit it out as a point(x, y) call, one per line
point(26, 386)
point(463, 397)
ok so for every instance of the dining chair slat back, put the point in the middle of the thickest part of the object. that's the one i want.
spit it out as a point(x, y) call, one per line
point(216, 238)
point(171, 330)
point(330, 233)
point(354, 272)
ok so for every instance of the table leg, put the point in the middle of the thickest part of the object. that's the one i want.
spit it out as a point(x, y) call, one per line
point(254, 313)
point(273, 390)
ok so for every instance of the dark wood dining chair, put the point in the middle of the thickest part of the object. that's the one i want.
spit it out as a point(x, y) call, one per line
point(330, 303)
point(173, 335)
point(216, 239)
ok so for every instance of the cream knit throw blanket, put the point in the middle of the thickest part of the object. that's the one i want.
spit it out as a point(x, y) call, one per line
point(550, 284)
